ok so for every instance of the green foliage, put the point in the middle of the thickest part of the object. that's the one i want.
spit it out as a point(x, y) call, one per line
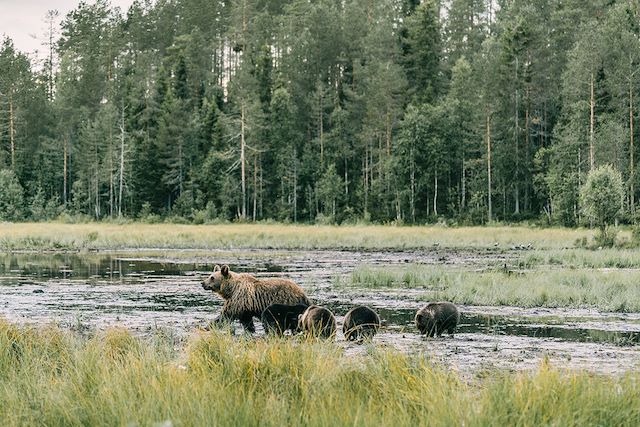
point(601, 200)
point(11, 196)
point(42, 209)
point(329, 190)
point(423, 110)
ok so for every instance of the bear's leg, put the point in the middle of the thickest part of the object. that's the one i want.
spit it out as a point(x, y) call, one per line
point(431, 332)
point(247, 322)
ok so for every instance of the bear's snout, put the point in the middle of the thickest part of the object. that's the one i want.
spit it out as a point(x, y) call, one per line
point(204, 285)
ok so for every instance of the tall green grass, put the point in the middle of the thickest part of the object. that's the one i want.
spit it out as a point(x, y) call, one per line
point(579, 258)
point(50, 377)
point(585, 288)
point(58, 236)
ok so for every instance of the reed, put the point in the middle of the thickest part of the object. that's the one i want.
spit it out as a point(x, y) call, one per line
point(608, 290)
point(54, 378)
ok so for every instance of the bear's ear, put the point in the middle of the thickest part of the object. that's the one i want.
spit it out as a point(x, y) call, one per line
point(225, 270)
point(216, 268)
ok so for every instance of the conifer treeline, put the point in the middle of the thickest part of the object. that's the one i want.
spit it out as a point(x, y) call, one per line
point(322, 110)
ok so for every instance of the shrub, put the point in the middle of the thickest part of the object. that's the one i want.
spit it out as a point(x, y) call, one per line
point(11, 196)
point(601, 201)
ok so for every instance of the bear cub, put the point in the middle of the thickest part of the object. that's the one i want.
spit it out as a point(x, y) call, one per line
point(437, 317)
point(278, 318)
point(359, 323)
point(318, 322)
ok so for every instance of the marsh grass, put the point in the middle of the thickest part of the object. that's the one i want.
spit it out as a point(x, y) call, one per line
point(59, 236)
point(617, 291)
point(54, 378)
point(580, 258)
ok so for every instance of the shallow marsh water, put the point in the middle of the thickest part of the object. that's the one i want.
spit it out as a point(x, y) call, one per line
point(150, 290)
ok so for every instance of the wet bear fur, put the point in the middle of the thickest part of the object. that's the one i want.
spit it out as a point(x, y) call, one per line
point(278, 318)
point(437, 317)
point(318, 322)
point(359, 323)
point(246, 296)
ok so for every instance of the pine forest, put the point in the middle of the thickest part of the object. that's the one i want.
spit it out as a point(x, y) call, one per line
point(321, 111)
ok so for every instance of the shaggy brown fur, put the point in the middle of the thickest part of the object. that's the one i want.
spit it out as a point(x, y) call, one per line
point(318, 322)
point(360, 322)
point(437, 317)
point(246, 296)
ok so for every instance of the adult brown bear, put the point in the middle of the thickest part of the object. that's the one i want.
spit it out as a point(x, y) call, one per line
point(246, 296)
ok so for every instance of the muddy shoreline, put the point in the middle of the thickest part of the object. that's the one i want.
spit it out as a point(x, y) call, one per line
point(160, 290)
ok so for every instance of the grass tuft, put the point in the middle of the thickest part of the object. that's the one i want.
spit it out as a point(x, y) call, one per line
point(49, 377)
point(615, 291)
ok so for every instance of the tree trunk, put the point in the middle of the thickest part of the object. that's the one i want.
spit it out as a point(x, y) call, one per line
point(180, 165)
point(50, 17)
point(463, 191)
point(12, 132)
point(366, 179)
point(295, 185)
point(527, 148)
point(346, 182)
point(592, 104)
point(388, 133)
point(121, 177)
point(261, 190)
point(488, 136)
point(255, 186)
point(242, 165)
point(111, 179)
point(631, 159)
point(321, 125)
point(413, 187)
point(435, 194)
point(64, 171)
point(516, 138)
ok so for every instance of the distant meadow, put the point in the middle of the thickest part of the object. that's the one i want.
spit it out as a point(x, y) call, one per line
point(52, 235)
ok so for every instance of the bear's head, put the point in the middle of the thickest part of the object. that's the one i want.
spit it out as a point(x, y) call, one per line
point(215, 279)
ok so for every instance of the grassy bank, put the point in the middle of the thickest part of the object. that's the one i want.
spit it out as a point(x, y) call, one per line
point(58, 236)
point(50, 377)
point(578, 288)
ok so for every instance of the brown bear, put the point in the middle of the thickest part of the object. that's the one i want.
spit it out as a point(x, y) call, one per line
point(318, 322)
point(278, 318)
point(246, 296)
point(360, 322)
point(437, 317)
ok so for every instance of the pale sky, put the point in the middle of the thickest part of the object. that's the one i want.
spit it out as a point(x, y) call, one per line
point(23, 20)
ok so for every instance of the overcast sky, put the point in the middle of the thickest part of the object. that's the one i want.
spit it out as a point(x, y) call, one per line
point(23, 20)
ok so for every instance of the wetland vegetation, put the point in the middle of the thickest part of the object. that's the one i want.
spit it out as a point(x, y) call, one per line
point(617, 291)
point(103, 318)
point(60, 236)
point(54, 378)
